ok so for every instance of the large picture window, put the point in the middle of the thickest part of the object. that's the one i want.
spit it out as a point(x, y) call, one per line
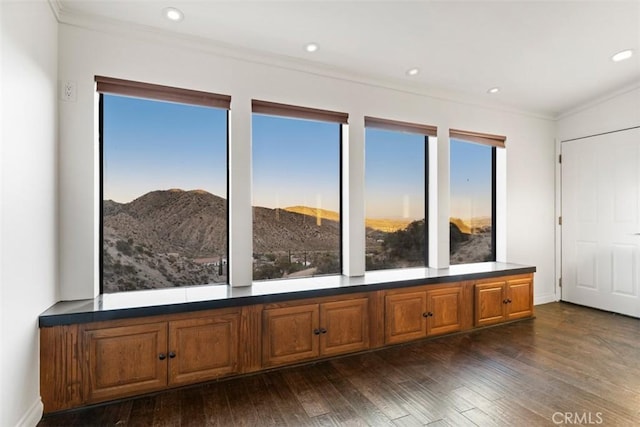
point(164, 186)
point(296, 191)
point(473, 196)
point(395, 194)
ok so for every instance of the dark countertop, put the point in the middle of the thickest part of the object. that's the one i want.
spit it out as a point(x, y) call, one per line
point(193, 298)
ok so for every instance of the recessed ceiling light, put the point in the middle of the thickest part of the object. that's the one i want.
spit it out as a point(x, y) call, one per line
point(494, 90)
point(413, 71)
point(311, 47)
point(173, 14)
point(621, 56)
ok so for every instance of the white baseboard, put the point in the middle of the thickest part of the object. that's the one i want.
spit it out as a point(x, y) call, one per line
point(544, 299)
point(33, 415)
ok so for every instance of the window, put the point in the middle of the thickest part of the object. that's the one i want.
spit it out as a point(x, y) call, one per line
point(473, 201)
point(296, 191)
point(396, 193)
point(163, 186)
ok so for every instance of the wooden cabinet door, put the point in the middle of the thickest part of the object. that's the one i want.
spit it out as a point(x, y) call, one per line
point(288, 334)
point(203, 348)
point(520, 297)
point(344, 326)
point(404, 320)
point(444, 310)
point(126, 360)
point(490, 303)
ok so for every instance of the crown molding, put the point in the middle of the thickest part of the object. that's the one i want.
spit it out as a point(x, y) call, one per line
point(196, 43)
point(56, 8)
point(599, 100)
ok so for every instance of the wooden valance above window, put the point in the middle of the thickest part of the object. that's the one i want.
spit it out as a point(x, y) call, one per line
point(286, 110)
point(162, 93)
point(394, 125)
point(480, 138)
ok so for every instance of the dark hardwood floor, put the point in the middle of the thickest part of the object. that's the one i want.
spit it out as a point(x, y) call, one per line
point(571, 365)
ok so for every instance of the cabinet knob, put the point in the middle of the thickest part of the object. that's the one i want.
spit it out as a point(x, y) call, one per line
point(316, 332)
point(505, 301)
point(509, 300)
point(171, 355)
point(162, 356)
point(323, 331)
point(427, 314)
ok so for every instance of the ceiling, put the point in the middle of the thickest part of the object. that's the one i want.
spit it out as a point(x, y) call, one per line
point(547, 57)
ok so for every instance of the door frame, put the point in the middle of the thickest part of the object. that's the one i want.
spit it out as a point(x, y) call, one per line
point(558, 202)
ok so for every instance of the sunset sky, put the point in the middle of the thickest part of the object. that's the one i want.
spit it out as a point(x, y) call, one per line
point(394, 175)
point(151, 145)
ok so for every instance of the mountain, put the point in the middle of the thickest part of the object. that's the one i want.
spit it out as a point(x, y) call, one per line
point(314, 212)
point(277, 230)
point(160, 239)
point(192, 223)
point(174, 238)
point(460, 225)
point(472, 226)
point(386, 225)
point(169, 238)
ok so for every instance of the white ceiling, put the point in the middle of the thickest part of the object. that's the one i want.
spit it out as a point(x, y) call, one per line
point(547, 57)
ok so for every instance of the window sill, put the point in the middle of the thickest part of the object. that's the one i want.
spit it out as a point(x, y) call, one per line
point(194, 298)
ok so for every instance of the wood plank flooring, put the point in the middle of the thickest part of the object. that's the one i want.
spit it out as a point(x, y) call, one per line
point(571, 365)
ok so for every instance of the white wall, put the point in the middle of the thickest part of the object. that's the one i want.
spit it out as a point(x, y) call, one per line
point(618, 112)
point(158, 59)
point(27, 200)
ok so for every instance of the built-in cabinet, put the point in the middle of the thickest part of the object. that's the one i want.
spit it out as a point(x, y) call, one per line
point(414, 314)
point(99, 361)
point(128, 360)
point(125, 360)
point(503, 299)
point(299, 332)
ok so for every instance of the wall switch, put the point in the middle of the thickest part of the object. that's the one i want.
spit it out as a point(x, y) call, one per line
point(68, 91)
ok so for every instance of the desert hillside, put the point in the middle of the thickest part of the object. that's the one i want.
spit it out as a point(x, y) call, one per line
point(170, 238)
point(174, 237)
point(380, 224)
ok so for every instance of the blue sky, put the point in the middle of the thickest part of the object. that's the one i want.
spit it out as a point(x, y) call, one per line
point(151, 145)
point(470, 179)
point(295, 162)
point(394, 174)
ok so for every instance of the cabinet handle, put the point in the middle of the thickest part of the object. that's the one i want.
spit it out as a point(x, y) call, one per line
point(427, 314)
point(171, 355)
point(323, 331)
point(162, 356)
point(316, 332)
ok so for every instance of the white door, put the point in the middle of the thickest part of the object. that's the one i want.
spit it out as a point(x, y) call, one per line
point(601, 222)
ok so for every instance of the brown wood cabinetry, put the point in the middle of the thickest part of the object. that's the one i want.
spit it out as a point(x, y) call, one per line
point(503, 299)
point(411, 315)
point(344, 326)
point(125, 360)
point(203, 348)
point(94, 362)
point(299, 332)
point(129, 360)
